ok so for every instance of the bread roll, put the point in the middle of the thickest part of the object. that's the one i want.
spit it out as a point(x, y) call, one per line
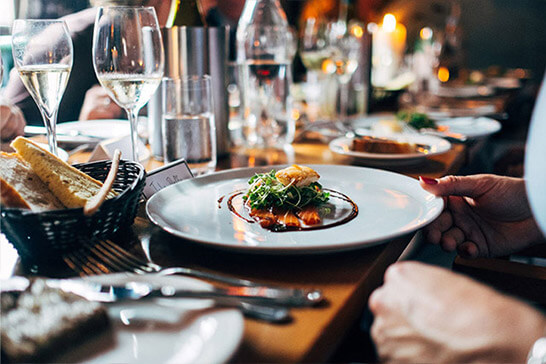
point(71, 186)
point(20, 187)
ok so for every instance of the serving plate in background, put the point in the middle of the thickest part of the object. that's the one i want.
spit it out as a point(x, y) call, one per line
point(434, 145)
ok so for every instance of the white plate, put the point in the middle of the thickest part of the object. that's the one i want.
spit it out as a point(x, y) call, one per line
point(62, 153)
point(101, 129)
point(464, 91)
point(165, 330)
point(472, 128)
point(389, 205)
point(437, 145)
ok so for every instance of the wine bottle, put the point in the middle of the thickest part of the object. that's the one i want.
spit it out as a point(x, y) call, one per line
point(450, 60)
point(185, 13)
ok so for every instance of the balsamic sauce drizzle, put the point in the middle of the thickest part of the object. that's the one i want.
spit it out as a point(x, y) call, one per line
point(277, 228)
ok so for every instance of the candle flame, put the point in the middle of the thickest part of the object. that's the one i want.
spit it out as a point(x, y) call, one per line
point(389, 22)
point(357, 31)
point(425, 33)
point(443, 74)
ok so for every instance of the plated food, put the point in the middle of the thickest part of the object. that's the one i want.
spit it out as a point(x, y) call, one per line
point(288, 199)
point(389, 205)
point(461, 128)
point(369, 144)
point(402, 121)
point(393, 150)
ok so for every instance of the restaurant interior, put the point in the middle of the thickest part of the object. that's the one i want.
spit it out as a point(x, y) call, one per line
point(270, 181)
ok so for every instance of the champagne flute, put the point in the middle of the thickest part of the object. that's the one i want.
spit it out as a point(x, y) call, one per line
point(128, 58)
point(345, 47)
point(314, 48)
point(43, 53)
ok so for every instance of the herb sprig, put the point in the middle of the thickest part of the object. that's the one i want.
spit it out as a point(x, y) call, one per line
point(266, 191)
point(416, 120)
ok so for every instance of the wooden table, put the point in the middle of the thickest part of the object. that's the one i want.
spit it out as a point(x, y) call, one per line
point(346, 278)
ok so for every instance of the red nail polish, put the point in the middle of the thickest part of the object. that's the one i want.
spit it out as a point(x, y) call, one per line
point(428, 181)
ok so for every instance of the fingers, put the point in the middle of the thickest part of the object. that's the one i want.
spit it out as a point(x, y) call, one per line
point(434, 230)
point(468, 249)
point(471, 186)
point(452, 238)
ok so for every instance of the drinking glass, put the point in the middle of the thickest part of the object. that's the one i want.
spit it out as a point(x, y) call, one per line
point(128, 58)
point(189, 130)
point(314, 47)
point(345, 47)
point(42, 52)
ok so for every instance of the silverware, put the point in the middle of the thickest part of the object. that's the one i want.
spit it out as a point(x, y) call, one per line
point(111, 294)
point(106, 257)
point(132, 291)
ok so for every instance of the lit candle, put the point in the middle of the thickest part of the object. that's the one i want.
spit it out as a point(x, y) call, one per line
point(388, 46)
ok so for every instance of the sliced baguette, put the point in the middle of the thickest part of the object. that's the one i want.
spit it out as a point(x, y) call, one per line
point(20, 187)
point(71, 186)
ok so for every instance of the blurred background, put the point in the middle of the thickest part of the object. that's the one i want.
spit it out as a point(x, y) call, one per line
point(410, 49)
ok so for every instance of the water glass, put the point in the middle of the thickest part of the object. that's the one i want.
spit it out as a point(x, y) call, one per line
point(189, 130)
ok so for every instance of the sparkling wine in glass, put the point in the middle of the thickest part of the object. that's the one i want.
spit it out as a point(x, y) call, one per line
point(128, 58)
point(345, 48)
point(43, 53)
point(314, 47)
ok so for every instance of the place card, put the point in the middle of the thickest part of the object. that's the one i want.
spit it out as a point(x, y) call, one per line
point(165, 176)
point(105, 149)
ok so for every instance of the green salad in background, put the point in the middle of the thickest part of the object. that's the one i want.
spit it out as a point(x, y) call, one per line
point(416, 120)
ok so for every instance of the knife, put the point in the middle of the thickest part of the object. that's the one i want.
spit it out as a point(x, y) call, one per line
point(131, 291)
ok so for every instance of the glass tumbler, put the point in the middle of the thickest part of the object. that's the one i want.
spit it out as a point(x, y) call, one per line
point(189, 130)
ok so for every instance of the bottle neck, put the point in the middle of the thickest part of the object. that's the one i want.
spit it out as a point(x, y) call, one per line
point(185, 13)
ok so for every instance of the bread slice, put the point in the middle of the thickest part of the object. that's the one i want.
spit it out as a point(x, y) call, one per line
point(71, 186)
point(20, 187)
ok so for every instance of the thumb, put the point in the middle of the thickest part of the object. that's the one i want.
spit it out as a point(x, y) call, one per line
point(470, 186)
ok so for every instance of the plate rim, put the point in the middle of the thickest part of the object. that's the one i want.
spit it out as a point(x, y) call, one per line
point(390, 156)
point(369, 119)
point(491, 121)
point(292, 250)
point(235, 312)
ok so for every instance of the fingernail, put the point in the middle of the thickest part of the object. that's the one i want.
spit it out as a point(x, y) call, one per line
point(428, 181)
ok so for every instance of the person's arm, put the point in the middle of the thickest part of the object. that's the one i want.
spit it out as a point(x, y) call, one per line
point(426, 314)
point(485, 215)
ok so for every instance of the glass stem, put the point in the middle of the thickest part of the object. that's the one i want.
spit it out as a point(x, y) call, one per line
point(343, 101)
point(50, 122)
point(133, 120)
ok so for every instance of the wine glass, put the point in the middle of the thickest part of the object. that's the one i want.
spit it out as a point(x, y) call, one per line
point(314, 46)
point(345, 47)
point(128, 58)
point(43, 53)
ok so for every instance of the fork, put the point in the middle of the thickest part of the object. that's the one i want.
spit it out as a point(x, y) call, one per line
point(106, 256)
point(115, 256)
point(86, 265)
